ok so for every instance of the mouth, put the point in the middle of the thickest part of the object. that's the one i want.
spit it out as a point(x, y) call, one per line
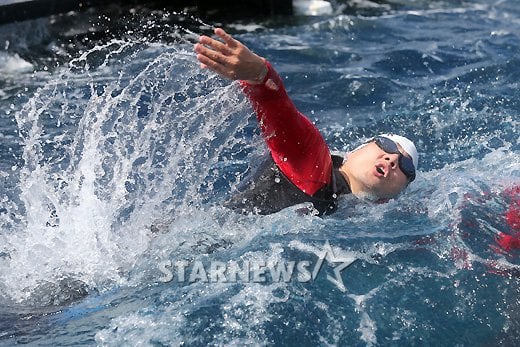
point(380, 170)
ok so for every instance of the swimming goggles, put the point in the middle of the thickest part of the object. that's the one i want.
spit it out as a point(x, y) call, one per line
point(405, 162)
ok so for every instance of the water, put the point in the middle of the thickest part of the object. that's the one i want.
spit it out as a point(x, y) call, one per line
point(117, 152)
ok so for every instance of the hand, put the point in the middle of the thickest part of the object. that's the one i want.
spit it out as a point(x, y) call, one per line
point(230, 59)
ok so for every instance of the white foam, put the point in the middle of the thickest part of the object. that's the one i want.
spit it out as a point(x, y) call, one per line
point(12, 64)
point(244, 310)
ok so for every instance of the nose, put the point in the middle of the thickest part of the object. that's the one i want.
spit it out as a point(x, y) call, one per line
point(393, 159)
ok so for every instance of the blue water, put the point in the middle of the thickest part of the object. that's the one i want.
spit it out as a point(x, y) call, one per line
point(117, 152)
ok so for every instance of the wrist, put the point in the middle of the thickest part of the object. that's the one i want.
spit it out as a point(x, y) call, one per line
point(261, 74)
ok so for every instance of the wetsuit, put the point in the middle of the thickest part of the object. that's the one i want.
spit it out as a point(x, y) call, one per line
point(300, 167)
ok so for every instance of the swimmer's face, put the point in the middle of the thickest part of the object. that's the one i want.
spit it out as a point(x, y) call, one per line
point(373, 173)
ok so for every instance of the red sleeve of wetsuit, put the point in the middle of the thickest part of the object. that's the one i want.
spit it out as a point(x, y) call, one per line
point(296, 145)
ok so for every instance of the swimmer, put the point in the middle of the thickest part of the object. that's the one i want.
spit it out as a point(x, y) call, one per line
point(300, 167)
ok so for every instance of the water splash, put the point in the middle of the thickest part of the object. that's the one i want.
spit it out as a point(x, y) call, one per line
point(125, 137)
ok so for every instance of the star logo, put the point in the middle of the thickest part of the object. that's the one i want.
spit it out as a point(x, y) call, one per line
point(328, 254)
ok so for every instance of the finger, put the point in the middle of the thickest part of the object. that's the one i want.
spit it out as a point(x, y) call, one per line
point(228, 39)
point(211, 54)
point(214, 66)
point(216, 45)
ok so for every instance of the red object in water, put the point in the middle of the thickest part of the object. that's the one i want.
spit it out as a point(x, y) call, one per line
point(513, 214)
point(508, 242)
point(511, 241)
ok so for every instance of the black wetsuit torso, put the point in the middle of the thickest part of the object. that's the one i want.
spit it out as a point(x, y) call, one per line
point(269, 191)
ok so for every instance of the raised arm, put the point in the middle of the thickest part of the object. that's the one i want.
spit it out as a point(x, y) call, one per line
point(295, 143)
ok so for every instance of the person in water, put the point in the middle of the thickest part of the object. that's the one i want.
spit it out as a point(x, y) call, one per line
point(300, 167)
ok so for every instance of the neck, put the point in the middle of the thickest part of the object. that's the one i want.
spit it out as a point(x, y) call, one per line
point(348, 177)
